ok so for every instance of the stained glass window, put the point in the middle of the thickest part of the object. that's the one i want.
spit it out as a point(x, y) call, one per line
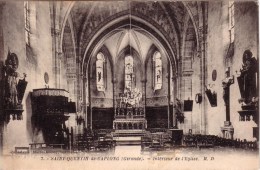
point(27, 22)
point(129, 72)
point(157, 71)
point(231, 20)
point(100, 72)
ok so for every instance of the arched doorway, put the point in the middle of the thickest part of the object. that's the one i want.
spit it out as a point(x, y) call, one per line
point(138, 49)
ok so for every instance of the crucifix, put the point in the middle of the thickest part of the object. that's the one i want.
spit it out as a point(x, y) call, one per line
point(228, 129)
point(226, 83)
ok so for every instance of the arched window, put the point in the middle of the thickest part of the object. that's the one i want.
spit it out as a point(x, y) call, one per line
point(129, 72)
point(157, 71)
point(231, 20)
point(100, 72)
point(27, 22)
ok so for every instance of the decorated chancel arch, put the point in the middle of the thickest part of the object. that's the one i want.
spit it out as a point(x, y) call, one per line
point(130, 79)
point(164, 61)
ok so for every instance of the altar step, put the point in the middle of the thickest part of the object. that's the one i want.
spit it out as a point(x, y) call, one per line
point(128, 137)
point(129, 133)
point(128, 140)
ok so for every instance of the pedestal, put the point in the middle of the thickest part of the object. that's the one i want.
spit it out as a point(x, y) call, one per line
point(227, 130)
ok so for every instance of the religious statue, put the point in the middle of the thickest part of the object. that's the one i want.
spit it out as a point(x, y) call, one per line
point(13, 91)
point(131, 98)
point(11, 65)
point(129, 102)
point(247, 80)
point(179, 113)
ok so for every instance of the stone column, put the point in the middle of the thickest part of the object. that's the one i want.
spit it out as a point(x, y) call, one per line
point(62, 79)
point(143, 94)
point(85, 99)
point(114, 82)
point(174, 119)
point(55, 33)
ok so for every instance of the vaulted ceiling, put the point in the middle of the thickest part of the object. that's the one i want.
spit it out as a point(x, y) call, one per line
point(169, 20)
point(128, 37)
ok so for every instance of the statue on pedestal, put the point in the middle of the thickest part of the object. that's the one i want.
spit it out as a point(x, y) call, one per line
point(13, 90)
point(248, 86)
point(247, 80)
point(11, 65)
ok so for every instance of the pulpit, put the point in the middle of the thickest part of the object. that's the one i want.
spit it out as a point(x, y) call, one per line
point(50, 108)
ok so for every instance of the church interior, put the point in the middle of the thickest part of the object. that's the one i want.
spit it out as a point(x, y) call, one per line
point(90, 76)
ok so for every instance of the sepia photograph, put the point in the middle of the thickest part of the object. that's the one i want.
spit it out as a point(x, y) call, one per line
point(129, 85)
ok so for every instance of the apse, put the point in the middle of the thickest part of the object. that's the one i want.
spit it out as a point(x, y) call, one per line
point(129, 60)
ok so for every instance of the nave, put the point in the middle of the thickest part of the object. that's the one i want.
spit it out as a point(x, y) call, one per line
point(90, 77)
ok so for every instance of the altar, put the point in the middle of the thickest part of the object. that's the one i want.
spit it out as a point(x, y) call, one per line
point(129, 113)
